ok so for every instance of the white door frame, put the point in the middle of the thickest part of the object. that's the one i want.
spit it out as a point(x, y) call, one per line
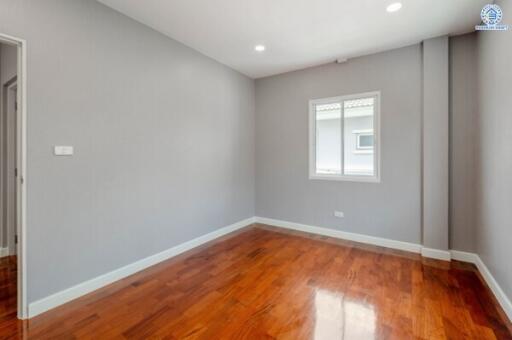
point(21, 181)
point(11, 161)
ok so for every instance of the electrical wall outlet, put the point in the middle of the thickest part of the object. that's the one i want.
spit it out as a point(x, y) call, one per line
point(339, 214)
point(61, 150)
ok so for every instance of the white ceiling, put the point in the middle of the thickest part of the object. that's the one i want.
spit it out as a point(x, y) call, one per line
point(298, 33)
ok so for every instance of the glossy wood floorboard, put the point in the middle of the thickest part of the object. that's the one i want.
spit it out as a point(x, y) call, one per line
point(8, 289)
point(264, 283)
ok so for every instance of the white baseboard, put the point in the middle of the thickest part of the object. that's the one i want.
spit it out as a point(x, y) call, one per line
point(57, 299)
point(500, 295)
point(464, 256)
point(437, 254)
point(378, 241)
point(411, 247)
point(4, 252)
point(503, 299)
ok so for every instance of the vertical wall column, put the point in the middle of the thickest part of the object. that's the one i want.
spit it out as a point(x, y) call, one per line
point(436, 148)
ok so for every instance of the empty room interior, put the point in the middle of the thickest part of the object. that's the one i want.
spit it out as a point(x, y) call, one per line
point(236, 169)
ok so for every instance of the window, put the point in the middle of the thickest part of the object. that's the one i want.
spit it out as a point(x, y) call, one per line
point(364, 140)
point(344, 138)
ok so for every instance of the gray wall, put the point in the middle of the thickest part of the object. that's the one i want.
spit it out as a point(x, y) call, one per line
point(8, 70)
point(435, 143)
point(389, 209)
point(163, 137)
point(164, 141)
point(494, 161)
point(463, 141)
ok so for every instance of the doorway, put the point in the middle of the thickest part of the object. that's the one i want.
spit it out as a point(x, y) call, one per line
point(8, 153)
point(12, 176)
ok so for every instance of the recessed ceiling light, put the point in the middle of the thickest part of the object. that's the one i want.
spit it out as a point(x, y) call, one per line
point(394, 7)
point(259, 48)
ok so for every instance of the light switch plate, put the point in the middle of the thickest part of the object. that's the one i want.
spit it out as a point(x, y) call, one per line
point(339, 214)
point(61, 150)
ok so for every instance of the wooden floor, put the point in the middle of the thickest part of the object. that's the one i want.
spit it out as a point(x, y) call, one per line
point(8, 289)
point(261, 283)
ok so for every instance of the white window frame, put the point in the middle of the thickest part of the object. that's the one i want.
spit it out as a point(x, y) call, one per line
point(363, 149)
point(313, 175)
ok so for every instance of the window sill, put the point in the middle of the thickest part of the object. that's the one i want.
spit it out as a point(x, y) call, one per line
point(345, 178)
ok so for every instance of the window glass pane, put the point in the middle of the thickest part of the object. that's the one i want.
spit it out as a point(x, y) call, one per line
point(358, 138)
point(365, 142)
point(328, 138)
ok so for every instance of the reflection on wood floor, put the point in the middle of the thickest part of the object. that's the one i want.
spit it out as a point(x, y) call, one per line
point(265, 283)
point(8, 298)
